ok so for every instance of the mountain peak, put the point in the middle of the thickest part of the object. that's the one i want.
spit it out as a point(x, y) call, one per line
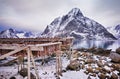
point(11, 30)
point(75, 12)
point(117, 27)
point(76, 25)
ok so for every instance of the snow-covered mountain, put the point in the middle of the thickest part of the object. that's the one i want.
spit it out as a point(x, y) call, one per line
point(115, 31)
point(77, 25)
point(24, 34)
point(10, 33)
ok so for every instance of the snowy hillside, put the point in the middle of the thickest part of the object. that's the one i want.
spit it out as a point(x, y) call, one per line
point(27, 34)
point(77, 25)
point(10, 33)
point(115, 31)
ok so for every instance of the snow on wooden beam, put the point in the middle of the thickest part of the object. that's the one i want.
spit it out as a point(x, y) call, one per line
point(46, 44)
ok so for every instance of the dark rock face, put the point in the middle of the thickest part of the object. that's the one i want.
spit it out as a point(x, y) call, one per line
point(77, 25)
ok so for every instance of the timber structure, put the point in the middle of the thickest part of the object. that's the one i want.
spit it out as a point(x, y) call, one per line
point(34, 47)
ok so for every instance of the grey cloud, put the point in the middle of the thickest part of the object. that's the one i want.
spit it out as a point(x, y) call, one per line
point(36, 14)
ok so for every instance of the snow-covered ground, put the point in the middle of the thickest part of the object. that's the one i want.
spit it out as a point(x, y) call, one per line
point(48, 70)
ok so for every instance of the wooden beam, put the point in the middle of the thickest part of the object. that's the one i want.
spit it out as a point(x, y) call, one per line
point(45, 44)
point(13, 52)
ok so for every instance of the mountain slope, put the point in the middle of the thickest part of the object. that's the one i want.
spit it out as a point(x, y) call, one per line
point(77, 25)
point(115, 31)
point(10, 33)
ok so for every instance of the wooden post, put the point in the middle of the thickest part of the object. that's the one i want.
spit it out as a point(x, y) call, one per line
point(71, 50)
point(37, 75)
point(57, 64)
point(58, 61)
point(28, 54)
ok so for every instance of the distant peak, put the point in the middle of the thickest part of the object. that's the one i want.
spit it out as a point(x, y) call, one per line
point(10, 29)
point(75, 12)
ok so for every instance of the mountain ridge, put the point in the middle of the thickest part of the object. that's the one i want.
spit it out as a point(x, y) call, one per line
point(75, 24)
point(115, 30)
point(11, 33)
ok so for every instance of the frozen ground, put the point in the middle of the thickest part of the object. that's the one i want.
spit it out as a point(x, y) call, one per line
point(47, 71)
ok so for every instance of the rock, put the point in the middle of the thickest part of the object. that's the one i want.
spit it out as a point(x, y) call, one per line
point(87, 61)
point(99, 69)
point(90, 70)
point(93, 74)
point(108, 51)
point(76, 54)
point(108, 76)
point(86, 72)
point(57, 77)
point(100, 64)
point(118, 50)
point(119, 73)
point(63, 71)
point(12, 78)
point(100, 50)
point(82, 66)
point(96, 71)
point(114, 76)
point(89, 77)
point(24, 72)
point(116, 67)
point(81, 49)
point(85, 54)
point(92, 50)
point(44, 73)
point(74, 65)
point(115, 57)
point(106, 69)
point(102, 76)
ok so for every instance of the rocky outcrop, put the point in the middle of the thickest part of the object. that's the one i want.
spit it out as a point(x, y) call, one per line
point(95, 66)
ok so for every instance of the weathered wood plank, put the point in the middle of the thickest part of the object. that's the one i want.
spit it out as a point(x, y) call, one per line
point(13, 52)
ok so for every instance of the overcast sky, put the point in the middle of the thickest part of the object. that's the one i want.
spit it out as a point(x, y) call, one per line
point(35, 15)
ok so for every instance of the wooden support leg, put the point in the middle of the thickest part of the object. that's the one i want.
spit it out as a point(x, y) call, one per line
point(28, 53)
point(58, 63)
point(37, 75)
